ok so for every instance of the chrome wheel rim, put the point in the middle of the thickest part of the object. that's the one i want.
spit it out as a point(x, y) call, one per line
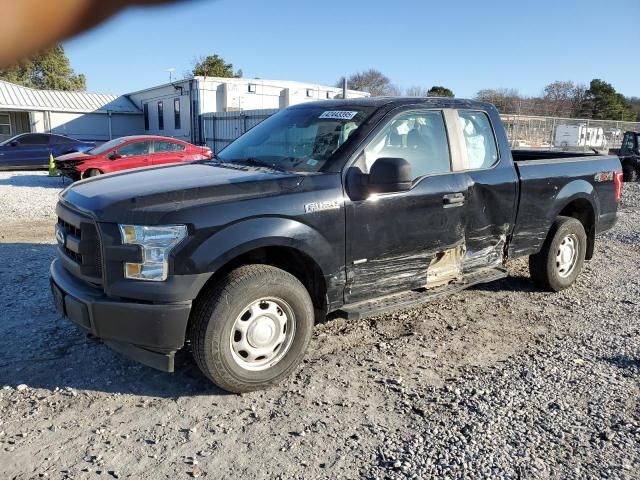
point(567, 255)
point(262, 334)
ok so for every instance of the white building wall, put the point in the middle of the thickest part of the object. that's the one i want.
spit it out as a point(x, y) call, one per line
point(95, 126)
point(166, 94)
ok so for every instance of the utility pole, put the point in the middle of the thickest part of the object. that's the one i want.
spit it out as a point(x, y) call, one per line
point(344, 87)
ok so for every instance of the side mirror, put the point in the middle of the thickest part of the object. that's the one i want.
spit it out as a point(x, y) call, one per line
point(389, 175)
point(13, 144)
point(115, 156)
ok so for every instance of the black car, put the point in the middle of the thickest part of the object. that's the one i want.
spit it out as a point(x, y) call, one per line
point(629, 155)
point(360, 206)
point(31, 151)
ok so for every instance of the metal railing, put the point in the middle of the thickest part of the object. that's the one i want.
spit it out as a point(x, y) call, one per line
point(523, 131)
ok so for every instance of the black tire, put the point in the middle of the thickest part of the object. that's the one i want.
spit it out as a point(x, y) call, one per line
point(545, 268)
point(629, 174)
point(221, 307)
point(94, 172)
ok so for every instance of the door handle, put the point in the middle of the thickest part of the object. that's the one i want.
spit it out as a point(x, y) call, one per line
point(453, 200)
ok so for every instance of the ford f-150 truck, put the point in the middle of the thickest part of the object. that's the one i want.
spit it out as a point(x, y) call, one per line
point(358, 206)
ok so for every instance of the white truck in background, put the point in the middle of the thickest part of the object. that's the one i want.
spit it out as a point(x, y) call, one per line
point(581, 135)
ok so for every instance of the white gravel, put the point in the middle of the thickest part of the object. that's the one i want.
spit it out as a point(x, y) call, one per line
point(29, 196)
point(502, 381)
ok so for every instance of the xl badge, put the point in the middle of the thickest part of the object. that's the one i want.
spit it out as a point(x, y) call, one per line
point(321, 206)
point(59, 235)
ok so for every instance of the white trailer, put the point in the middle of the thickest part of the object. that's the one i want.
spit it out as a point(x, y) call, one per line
point(580, 135)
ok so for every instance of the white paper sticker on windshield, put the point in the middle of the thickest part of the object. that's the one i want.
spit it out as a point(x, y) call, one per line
point(339, 115)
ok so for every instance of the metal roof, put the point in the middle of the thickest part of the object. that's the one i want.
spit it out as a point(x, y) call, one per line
point(17, 97)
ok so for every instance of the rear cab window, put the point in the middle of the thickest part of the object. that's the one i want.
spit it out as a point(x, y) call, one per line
point(479, 139)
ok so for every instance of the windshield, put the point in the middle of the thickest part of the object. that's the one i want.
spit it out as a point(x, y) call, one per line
point(107, 146)
point(297, 139)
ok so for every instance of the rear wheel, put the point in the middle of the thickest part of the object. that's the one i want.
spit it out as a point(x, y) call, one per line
point(94, 172)
point(251, 328)
point(560, 261)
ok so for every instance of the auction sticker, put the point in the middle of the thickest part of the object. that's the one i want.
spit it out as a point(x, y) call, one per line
point(339, 115)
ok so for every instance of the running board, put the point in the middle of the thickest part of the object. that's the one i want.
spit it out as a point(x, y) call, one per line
point(412, 298)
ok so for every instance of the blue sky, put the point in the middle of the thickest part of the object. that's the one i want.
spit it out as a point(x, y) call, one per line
point(465, 45)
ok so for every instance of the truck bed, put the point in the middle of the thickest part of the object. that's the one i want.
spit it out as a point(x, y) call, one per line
point(555, 178)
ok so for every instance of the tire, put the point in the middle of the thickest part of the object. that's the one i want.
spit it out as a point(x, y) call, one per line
point(243, 309)
point(92, 173)
point(629, 174)
point(555, 267)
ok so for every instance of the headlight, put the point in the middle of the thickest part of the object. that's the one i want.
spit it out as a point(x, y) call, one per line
point(156, 243)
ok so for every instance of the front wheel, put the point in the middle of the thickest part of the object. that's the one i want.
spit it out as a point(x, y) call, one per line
point(560, 261)
point(251, 328)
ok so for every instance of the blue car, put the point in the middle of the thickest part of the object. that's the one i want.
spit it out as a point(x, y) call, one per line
point(30, 151)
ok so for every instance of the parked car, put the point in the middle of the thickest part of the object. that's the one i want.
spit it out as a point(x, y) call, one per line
point(358, 205)
point(629, 155)
point(125, 153)
point(31, 151)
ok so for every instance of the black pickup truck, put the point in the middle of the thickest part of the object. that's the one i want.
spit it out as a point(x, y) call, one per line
point(629, 154)
point(359, 206)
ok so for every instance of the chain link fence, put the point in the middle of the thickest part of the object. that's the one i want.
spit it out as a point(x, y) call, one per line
point(523, 131)
point(555, 133)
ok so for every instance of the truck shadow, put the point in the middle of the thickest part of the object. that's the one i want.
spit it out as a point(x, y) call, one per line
point(508, 284)
point(35, 180)
point(44, 350)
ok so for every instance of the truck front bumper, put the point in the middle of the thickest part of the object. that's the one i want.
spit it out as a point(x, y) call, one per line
point(146, 332)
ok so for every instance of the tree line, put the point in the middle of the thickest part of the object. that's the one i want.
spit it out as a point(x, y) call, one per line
point(52, 70)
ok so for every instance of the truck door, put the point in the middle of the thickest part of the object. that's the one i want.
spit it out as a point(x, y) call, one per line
point(492, 191)
point(394, 238)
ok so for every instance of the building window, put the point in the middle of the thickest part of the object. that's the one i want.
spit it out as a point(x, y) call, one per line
point(309, 92)
point(160, 116)
point(145, 109)
point(5, 124)
point(176, 113)
point(252, 88)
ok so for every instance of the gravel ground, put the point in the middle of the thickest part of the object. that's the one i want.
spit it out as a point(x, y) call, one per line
point(499, 381)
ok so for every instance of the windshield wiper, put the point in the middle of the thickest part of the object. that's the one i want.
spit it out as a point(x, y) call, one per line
point(254, 162)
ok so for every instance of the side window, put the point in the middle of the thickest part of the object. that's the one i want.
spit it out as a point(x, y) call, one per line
point(134, 149)
point(35, 139)
point(145, 109)
point(482, 151)
point(418, 137)
point(176, 113)
point(628, 142)
point(160, 116)
point(165, 147)
point(59, 140)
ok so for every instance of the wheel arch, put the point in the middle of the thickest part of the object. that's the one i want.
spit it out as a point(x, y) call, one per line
point(583, 208)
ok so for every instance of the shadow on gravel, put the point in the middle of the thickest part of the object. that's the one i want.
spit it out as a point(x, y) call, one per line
point(43, 350)
point(35, 180)
point(624, 362)
point(509, 284)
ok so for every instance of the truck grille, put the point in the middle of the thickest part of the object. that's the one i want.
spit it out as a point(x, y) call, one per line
point(79, 244)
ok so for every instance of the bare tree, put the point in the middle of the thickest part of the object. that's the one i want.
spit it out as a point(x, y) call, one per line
point(416, 91)
point(372, 81)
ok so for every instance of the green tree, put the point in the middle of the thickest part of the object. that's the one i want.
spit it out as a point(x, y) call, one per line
point(602, 102)
point(46, 70)
point(439, 91)
point(214, 66)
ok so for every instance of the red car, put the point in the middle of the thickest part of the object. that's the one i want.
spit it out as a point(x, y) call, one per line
point(129, 152)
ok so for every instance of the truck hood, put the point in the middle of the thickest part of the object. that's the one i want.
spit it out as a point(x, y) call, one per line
point(147, 195)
